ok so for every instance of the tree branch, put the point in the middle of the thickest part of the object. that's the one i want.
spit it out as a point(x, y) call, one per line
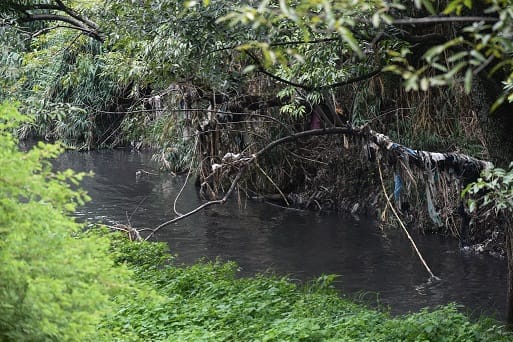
point(204, 205)
point(456, 164)
point(363, 77)
point(325, 87)
point(441, 20)
point(48, 29)
point(75, 24)
point(77, 16)
point(389, 202)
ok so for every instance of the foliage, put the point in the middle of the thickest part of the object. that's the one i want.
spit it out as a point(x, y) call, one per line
point(307, 49)
point(477, 47)
point(373, 29)
point(207, 301)
point(57, 75)
point(492, 192)
point(54, 286)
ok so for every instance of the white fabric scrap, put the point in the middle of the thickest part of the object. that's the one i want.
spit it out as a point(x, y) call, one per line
point(216, 166)
point(437, 156)
point(231, 156)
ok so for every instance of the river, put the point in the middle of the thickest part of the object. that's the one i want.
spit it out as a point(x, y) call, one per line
point(374, 266)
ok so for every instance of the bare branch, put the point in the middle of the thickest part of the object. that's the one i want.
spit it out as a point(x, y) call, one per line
point(312, 88)
point(77, 21)
point(204, 205)
point(77, 16)
point(48, 29)
point(460, 165)
point(389, 202)
point(442, 20)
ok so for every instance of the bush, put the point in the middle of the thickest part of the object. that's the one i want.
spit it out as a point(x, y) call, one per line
point(53, 285)
point(208, 302)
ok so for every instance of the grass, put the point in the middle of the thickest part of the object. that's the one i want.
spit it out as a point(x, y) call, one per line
point(208, 302)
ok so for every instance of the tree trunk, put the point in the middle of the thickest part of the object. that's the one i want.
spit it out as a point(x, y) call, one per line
point(509, 251)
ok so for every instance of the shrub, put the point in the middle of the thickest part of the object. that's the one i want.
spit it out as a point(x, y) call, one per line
point(53, 285)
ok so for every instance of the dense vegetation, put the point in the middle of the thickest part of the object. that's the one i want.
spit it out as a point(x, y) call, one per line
point(196, 80)
point(208, 302)
point(60, 283)
point(53, 286)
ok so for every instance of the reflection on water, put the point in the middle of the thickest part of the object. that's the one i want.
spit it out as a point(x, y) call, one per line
point(302, 245)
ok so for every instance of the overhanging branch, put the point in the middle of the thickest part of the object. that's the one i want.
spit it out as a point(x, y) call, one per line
point(456, 164)
point(55, 10)
point(77, 16)
point(442, 20)
point(75, 23)
point(260, 68)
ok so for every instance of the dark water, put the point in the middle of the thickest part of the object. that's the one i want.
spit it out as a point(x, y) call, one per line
point(303, 245)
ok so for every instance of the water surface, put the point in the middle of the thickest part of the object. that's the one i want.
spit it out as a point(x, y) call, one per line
point(303, 245)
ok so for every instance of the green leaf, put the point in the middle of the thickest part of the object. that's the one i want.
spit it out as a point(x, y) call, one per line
point(457, 56)
point(432, 52)
point(497, 103)
point(424, 84)
point(468, 80)
point(249, 69)
point(472, 206)
point(348, 37)
point(429, 6)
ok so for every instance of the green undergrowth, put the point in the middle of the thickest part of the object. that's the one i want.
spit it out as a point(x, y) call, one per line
point(208, 302)
point(61, 283)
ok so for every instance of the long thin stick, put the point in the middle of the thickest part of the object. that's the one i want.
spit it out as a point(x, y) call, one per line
point(204, 205)
point(186, 178)
point(273, 183)
point(432, 276)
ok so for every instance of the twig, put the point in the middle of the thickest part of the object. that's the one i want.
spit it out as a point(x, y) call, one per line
point(273, 183)
point(133, 212)
point(432, 276)
point(282, 207)
point(147, 172)
point(186, 179)
point(204, 205)
point(133, 234)
point(441, 20)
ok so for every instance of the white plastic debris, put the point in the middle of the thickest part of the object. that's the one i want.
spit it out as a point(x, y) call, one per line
point(231, 156)
point(216, 166)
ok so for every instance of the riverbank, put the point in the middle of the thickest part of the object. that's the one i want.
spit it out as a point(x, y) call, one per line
point(207, 301)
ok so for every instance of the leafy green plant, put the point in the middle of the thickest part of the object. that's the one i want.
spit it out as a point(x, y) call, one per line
point(53, 285)
point(208, 301)
point(492, 192)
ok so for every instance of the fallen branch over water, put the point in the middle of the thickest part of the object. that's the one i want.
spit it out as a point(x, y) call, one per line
point(203, 206)
point(455, 165)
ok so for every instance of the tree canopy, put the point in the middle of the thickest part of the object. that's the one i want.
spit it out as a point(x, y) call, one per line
point(113, 56)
